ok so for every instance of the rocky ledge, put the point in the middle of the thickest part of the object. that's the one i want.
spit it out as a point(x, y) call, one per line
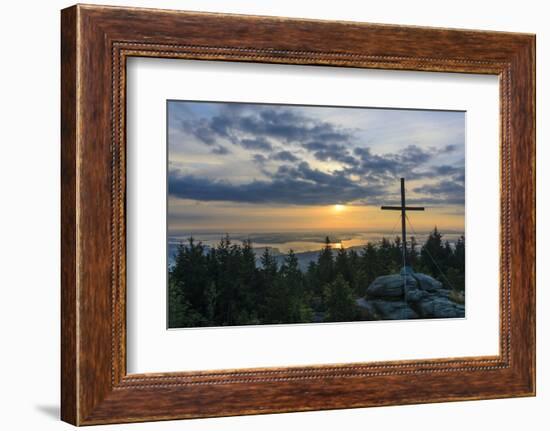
point(408, 295)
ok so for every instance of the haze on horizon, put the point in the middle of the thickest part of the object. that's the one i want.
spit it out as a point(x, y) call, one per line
point(238, 167)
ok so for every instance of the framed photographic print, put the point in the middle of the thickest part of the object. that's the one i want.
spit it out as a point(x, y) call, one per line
point(272, 218)
point(267, 215)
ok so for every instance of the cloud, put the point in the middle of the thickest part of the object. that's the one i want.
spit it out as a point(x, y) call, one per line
point(413, 155)
point(259, 159)
point(324, 152)
point(413, 163)
point(258, 143)
point(252, 129)
point(299, 185)
point(285, 156)
point(449, 149)
point(220, 150)
point(448, 170)
point(448, 191)
point(201, 129)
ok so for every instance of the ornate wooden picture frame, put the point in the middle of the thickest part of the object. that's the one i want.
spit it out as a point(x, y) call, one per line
point(96, 41)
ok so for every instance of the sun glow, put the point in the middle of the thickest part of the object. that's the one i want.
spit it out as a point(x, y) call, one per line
point(338, 208)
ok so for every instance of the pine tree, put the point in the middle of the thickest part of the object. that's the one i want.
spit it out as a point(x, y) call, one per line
point(447, 253)
point(211, 297)
point(325, 263)
point(340, 303)
point(387, 260)
point(180, 312)
point(397, 252)
point(270, 286)
point(313, 288)
point(189, 275)
point(227, 282)
point(356, 275)
point(247, 282)
point(296, 308)
point(412, 252)
point(456, 274)
point(433, 254)
point(342, 264)
point(370, 263)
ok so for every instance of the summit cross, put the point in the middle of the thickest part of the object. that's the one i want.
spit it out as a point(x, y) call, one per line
point(403, 208)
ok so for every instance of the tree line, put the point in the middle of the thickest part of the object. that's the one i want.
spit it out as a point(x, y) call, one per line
point(224, 285)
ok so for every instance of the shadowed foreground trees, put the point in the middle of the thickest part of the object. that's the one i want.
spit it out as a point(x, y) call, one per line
point(224, 285)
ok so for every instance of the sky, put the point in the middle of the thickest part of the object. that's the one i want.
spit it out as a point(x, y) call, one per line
point(238, 167)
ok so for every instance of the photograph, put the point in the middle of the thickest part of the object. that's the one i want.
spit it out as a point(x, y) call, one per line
point(288, 214)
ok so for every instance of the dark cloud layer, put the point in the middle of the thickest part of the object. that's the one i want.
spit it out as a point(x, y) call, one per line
point(300, 185)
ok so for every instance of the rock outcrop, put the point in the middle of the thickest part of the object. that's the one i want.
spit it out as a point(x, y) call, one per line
point(409, 295)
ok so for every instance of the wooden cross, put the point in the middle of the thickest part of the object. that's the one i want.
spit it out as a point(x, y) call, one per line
point(403, 208)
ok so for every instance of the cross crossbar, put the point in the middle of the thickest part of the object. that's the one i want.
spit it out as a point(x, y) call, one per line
point(384, 207)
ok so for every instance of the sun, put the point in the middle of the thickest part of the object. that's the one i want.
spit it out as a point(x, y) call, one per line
point(339, 208)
